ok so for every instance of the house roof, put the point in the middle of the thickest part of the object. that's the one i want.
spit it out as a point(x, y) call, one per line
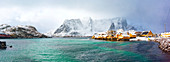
point(145, 33)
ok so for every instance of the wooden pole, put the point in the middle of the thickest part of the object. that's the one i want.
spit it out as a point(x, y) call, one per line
point(165, 27)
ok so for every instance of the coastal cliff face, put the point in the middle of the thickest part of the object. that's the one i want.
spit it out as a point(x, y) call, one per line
point(21, 31)
point(77, 27)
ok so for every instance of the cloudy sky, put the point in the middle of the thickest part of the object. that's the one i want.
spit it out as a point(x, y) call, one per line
point(47, 15)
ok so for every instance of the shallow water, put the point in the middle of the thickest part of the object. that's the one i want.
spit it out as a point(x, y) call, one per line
point(80, 50)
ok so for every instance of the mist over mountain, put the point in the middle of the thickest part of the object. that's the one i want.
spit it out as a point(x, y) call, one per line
point(75, 27)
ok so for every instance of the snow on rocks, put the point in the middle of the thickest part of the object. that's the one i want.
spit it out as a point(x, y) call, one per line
point(164, 44)
point(78, 27)
point(21, 31)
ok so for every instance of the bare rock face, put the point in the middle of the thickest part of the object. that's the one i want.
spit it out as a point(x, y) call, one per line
point(4, 26)
point(112, 27)
point(68, 25)
point(164, 44)
point(80, 27)
point(70, 28)
point(21, 31)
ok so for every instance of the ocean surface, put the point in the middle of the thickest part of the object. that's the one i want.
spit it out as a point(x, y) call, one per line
point(81, 50)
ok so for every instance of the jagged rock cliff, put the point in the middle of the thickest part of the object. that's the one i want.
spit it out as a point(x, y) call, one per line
point(21, 31)
point(70, 28)
point(112, 27)
point(68, 25)
point(75, 27)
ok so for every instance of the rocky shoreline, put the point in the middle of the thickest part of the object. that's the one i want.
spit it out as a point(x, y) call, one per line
point(164, 44)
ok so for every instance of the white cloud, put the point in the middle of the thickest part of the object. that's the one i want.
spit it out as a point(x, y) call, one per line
point(49, 14)
point(43, 18)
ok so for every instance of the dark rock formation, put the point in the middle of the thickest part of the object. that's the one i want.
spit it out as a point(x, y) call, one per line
point(22, 31)
point(112, 27)
point(164, 44)
point(4, 26)
point(63, 28)
point(74, 33)
point(68, 25)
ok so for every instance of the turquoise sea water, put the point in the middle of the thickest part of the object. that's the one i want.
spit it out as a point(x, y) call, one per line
point(80, 50)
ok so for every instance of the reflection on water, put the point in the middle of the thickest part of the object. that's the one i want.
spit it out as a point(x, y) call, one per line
point(80, 50)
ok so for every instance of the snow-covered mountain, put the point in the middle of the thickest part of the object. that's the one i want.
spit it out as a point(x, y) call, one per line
point(68, 25)
point(70, 28)
point(21, 31)
point(75, 27)
point(112, 27)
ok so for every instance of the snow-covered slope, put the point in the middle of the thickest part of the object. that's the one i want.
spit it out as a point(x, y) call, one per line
point(21, 31)
point(119, 23)
point(70, 27)
point(75, 27)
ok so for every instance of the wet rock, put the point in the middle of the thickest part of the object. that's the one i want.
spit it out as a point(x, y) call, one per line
point(164, 44)
point(3, 45)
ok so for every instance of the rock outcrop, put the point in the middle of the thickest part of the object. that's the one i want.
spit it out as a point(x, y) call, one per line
point(112, 27)
point(21, 31)
point(164, 44)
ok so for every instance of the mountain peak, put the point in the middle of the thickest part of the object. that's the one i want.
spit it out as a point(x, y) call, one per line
point(76, 27)
point(112, 27)
point(68, 25)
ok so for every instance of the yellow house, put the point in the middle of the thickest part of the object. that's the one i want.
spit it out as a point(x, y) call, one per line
point(100, 36)
point(132, 35)
point(147, 34)
point(93, 37)
point(112, 38)
point(166, 35)
point(111, 32)
point(123, 36)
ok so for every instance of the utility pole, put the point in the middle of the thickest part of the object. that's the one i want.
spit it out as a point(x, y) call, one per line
point(165, 27)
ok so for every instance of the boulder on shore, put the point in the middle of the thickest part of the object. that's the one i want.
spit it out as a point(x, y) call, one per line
point(164, 44)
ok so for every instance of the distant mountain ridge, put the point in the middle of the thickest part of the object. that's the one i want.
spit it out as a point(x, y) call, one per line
point(75, 27)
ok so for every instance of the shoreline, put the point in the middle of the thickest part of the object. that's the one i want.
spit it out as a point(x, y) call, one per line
point(164, 44)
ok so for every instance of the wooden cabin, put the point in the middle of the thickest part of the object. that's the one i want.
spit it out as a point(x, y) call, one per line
point(123, 36)
point(138, 34)
point(147, 34)
point(132, 35)
point(165, 35)
point(111, 32)
point(111, 38)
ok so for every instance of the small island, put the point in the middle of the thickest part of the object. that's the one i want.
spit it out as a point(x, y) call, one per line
point(20, 31)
